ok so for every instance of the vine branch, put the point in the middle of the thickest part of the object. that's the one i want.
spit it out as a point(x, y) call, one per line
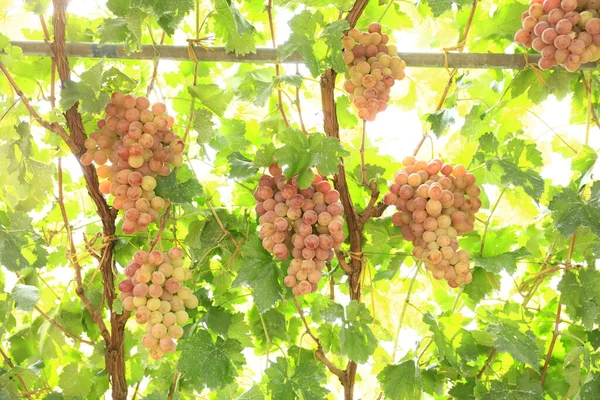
point(319, 353)
point(556, 331)
point(277, 66)
point(460, 47)
point(19, 377)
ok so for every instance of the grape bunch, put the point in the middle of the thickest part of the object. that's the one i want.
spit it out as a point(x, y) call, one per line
point(155, 289)
point(374, 68)
point(565, 32)
point(132, 146)
point(304, 223)
point(436, 203)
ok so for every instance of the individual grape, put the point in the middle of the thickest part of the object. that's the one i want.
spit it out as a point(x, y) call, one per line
point(175, 331)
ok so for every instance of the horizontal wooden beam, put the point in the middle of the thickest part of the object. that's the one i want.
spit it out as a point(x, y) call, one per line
point(268, 56)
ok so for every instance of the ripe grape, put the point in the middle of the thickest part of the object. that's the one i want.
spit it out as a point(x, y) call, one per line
point(432, 210)
point(304, 223)
point(150, 289)
point(562, 31)
point(369, 81)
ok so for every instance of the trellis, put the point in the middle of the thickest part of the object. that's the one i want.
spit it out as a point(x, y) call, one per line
point(269, 56)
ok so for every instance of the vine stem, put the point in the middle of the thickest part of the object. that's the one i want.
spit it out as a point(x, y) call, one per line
point(319, 352)
point(588, 91)
point(277, 65)
point(52, 64)
point(95, 314)
point(363, 168)
point(460, 47)
point(19, 377)
point(52, 127)
point(403, 313)
point(487, 223)
point(155, 66)
point(298, 103)
point(62, 328)
point(267, 335)
point(355, 222)
point(556, 331)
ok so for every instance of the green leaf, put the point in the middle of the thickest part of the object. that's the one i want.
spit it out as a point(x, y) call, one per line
point(302, 39)
point(358, 341)
point(210, 363)
point(25, 296)
point(254, 393)
point(401, 381)
point(264, 155)
point(233, 28)
point(178, 192)
point(118, 7)
point(332, 35)
point(212, 97)
point(301, 152)
point(241, 167)
point(202, 123)
point(506, 261)
point(10, 251)
point(304, 382)
point(440, 340)
point(260, 272)
point(38, 7)
point(570, 212)
point(441, 120)
point(591, 390)
point(474, 121)
point(527, 388)
point(168, 13)
point(75, 382)
point(93, 77)
point(72, 93)
point(580, 293)
point(521, 346)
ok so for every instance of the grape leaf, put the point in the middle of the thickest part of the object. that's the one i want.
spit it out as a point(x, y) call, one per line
point(260, 272)
point(305, 382)
point(475, 120)
point(241, 167)
point(212, 97)
point(168, 13)
point(441, 120)
point(521, 346)
point(302, 39)
point(178, 192)
point(202, 123)
point(591, 390)
point(264, 155)
point(571, 212)
point(357, 340)
point(527, 388)
point(93, 77)
point(233, 28)
point(75, 383)
point(301, 152)
point(218, 320)
point(38, 7)
point(10, 251)
point(580, 293)
point(443, 344)
point(25, 296)
point(254, 393)
point(210, 363)
point(332, 35)
point(506, 261)
point(401, 381)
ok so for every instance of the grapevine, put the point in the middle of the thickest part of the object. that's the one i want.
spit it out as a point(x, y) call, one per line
point(565, 32)
point(433, 210)
point(136, 139)
point(304, 223)
point(155, 289)
point(374, 66)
